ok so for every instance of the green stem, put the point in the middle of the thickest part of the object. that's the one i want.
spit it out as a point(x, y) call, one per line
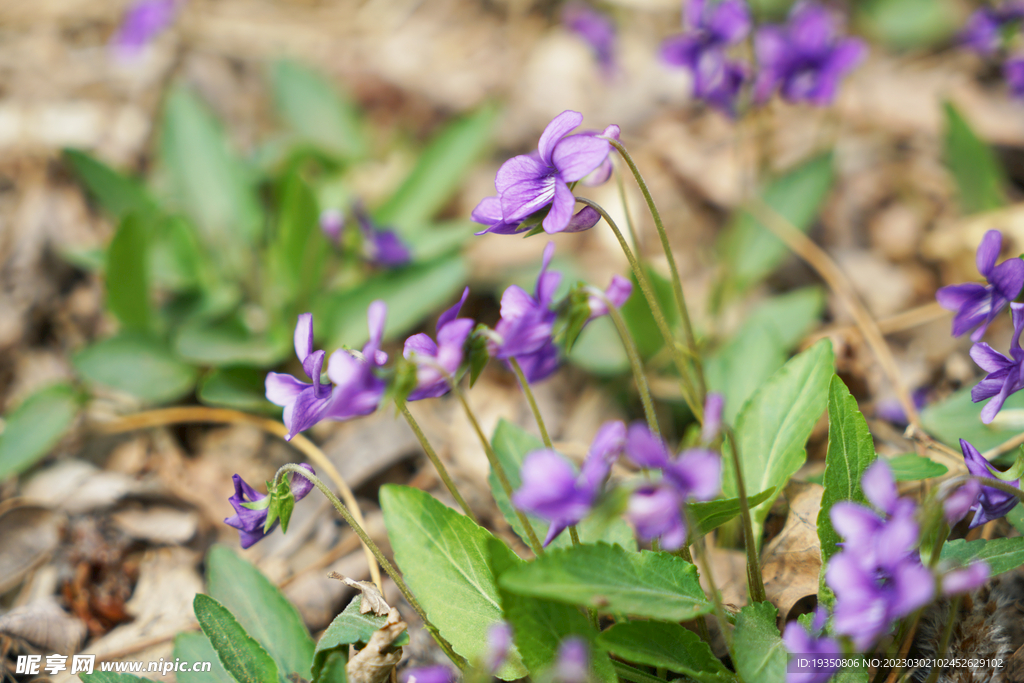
point(634, 362)
point(947, 631)
point(716, 599)
point(677, 283)
point(533, 403)
point(755, 582)
point(442, 471)
point(384, 562)
point(702, 627)
point(625, 209)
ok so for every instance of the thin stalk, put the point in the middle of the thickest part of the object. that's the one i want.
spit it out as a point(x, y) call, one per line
point(634, 362)
point(702, 627)
point(947, 631)
point(755, 582)
point(677, 283)
point(442, 471)
point(625, 209)
point(525, 384)
point(689, 392)
point(716, 599)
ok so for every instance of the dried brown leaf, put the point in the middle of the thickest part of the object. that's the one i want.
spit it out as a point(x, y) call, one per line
point(28, 534)
point(374, 662)
point(372, 600)
point(45, 625)
point(792, 561)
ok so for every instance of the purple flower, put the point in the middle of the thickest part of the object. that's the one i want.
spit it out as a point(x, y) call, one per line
point(655, 512)
point(616, 294)
point(810, 644)
point(304, 404)
point(713, 406)
point(499, 640)
point(1005, 375)
point(596, 29)
point(530, 182)
point(553, 491)
point(957, 504)
point(144, 21)
point(572, 665)
point(429, 674)
point(250, 523)
point(891, 410)
point(332, 221)
point(1013, 72)
point(357, 389)
point(806, 58)
point(434, 361)
point(965, 580)
point(381, 246)
point(709, 30)
point(979, 304)
point(991, 502)
point(984, 29)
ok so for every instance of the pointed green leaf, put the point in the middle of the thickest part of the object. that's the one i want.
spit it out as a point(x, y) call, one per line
point(980, 178)
point(243, 657)
point(243, 388)
point(299, 250)
point(760, 654)
point(714, 513)
point(912, 467)
point(316, 110)
point(35, 426)
point(230, 342)
point(190, 646)
point(127, 274)
point(1002, 554)
point(667, 646)
point(138, 365)
point(118, 194)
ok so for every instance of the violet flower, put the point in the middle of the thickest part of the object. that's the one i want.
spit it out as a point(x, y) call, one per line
point(250, 523)
point(499, 641)
point(811, 644)
point(713, 406)
point(596, 29)
point(304, 404)
point(381, 246)
point(984, 30)
point(977, 304)
point(806, 58)
point(144, 21)
point(357, 389)
point(1013, 72)
point(655, 511)
point(991, 502)
point(428, 674)
point(332, 222)
point(708, 31)
point(617, 294)
point(435, 360)
point(957, 504)
point(530, 182)
point(572, 664)
point(1005, 375)
point(965, 580)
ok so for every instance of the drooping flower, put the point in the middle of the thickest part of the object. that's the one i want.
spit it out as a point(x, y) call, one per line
point(991, 502)
point(250, 523)
point(957, 504)
point(984, 30)
point(806, 58)
point(144, 21)
point(977, 304)
point(429, 674)
point(357, 389)
point(304, 404)
point(572, 664)
point(435, 360)
point(965, 580)
point(596, 29)
point(332, 221)
point(1005, 375)
point(530, 182)
point(708, 32)
point(811, 645)
point(381, 246)
point(617, 293)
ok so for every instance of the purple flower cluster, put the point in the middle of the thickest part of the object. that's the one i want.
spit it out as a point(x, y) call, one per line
point(820, 650)
point(596, 29)
point(986, 33)
point(250, 523)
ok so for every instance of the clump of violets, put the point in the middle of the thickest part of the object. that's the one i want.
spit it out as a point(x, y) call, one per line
point(251, 522)
point(977, 305)
point(144, 21)
point(990, 32)
point(1004, 373)
point(989, 503)
point(435, 361)
point(596, 29)
point(812, 644)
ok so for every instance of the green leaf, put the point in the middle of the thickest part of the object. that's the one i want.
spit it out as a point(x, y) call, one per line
point(261, 609)
point(313, 108)
point(242, 388)
point(229, 342)
point(791, 316)
point(176, 261)
point(35, 426)
point(439, 171)
point(959, 418)
point(443, 556)
point(411, 293)
point(1016, 518)
point(611, 579)
point(190, 646)
point(714, 513)
point(511, 444)
point(912, 467)
point(910, 24)
point(243, 657)
point(760, 654)
point(639, 319)
point(539, 626)
point(666, 646)
point(599, 349)
point(299, 251)
point(349, 628)
point(118, 194)
point(127, 277)
point(113, 677)
point(138, 365)
point(774, 425)
point(1002, 554)
point(738, 368)
point(751, 251)
point(980, 179)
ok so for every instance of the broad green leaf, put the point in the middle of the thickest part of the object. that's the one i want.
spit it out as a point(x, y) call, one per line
point(127, 276)
point(738, 368)
point(750, 251)
point(113, 677)
point(411, 293)
point(441, 239)
point(910, 24)
point(980, 179)
point(792, 316)
point(667, 646)
point(1016, 518)
point(261, 609)
point(243, 657)
point(714, 513)
point(35, 426)
point(760, 654)
point(315, 109)
point(912, 467)
point(438, 172)
point(1002, 554)
point(774, 425)
point(639, 319)
point(958, 417)
point(118, 194)
point(511, 444)
point(444, 558)
point(611, 579)
point(242, 388)
point(176, 261)
point(599, 349)
point(229, 342)
point(138, 365)
point(539, 626)
point(299, 250)
point(190, 646)
point(349, 628)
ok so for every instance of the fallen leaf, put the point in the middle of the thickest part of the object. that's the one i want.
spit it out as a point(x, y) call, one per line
point(374, 662)
point(792, 561)
point(372, 600)
point(45, 625)
point(28, 534)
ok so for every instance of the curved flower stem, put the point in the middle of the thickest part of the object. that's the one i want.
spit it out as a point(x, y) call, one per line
point(755, 582)
point(388, 567)
point(442, 471)
point(677, 283)
point(181, 414)
point(525, 384)
point(688, 390)
point(625, 209)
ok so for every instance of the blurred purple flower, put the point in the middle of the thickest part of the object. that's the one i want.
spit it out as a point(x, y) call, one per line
point(984, 30)
point(965, 580)
point(806, 58)
point(529, 182)
point(304, 404)
point(527, 323)
point(991, 502)
point(144, 21)
point(572, 665)
point(434, 361)
point(381, 246)
point(977, 304)
point(803, 643)
point(713, 406)
point(1005, 375)
point(655, 511)
point(428, 674)
point(890, 409)
point(599, 176)
point(957, 504)
point(1013, 72)
point(708, 31)
point(250, 523)
point(357, 389)
point(332, 221)
point(499, 640)
point(617, 294)
point(596, 29)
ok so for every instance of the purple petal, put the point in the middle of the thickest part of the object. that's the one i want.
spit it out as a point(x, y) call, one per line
point(560, 126)
point(713, 406)
point(549, 489)
point(693, 13)
point(518, 169)
point(283, 389)
point(376, 315)
point(453, 312)
point(304, 412)
point(419, 344)
point(855, 523)
point(697, 473)
point(577, 155)
point(429, 674)
point(606, 448)
point(957, 504)
point(988, 252)
point(516, 303)
point(304, 336)
point(654, 512)
point(992, 408)
point(644, 448)
point(913, 586)
point(540, 364)
point(526, 197)
point(1017, 314)
point(455, 333)
point(546, 286)
point(681, 51)
point(562, 204)
point(879, 486)
point(585, 219)
point(812, 29)
point(988, 359)
point(313, 367)
point(300, 485)
point(499, 641)
point(143, 21)
point(730, 21)
point(965, 580)
point(771, 47)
